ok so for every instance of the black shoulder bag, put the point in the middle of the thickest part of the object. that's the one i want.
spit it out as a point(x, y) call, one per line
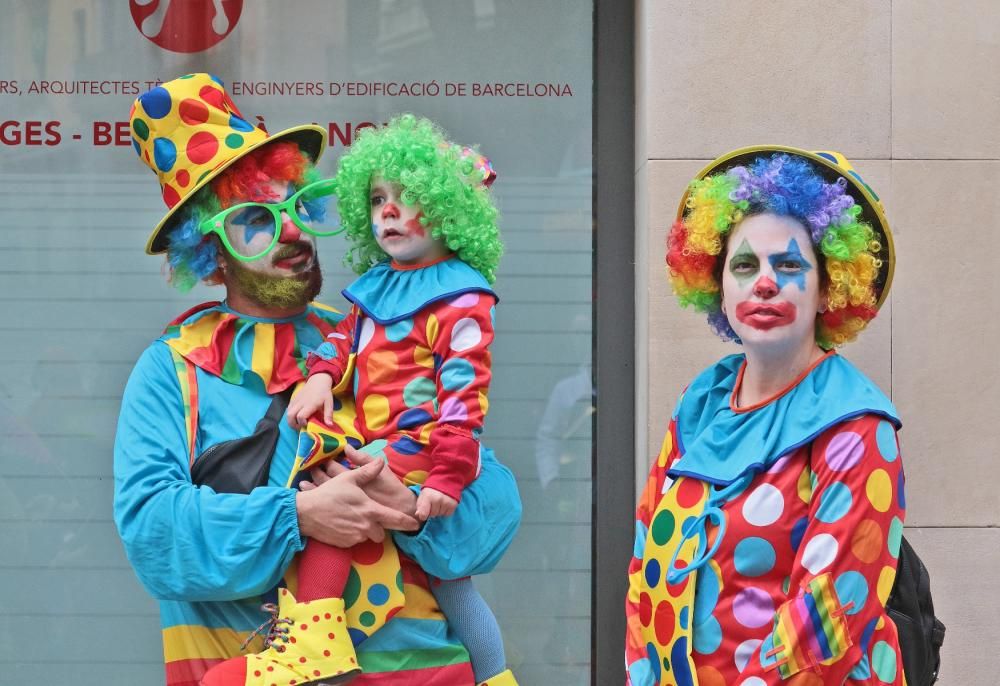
point(910, 606)
point(241, 464)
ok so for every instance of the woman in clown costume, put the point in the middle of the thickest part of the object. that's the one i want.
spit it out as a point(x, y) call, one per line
point(769, 529)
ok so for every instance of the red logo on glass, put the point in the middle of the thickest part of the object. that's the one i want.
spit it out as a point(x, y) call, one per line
point(185, 25)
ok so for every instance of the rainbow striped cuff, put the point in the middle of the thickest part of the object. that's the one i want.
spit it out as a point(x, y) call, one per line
point(811, 629)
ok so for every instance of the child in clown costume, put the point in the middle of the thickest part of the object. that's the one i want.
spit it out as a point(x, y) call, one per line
point(769, 530)
point(412, 353)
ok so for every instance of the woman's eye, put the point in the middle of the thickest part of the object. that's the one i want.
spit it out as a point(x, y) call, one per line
point(788, 266)
point(743, 266)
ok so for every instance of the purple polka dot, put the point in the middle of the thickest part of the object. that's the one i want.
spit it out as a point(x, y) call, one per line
point(780, 465)
point(453, 410)
point(844, 451)
point(464, 300)
point(753, 608)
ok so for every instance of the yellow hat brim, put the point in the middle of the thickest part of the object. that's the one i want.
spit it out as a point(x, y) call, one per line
point(310, 138)
point(871, 208)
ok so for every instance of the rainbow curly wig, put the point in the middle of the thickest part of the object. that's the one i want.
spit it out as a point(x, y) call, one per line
point(434, 174)
point(193, 256)
point(786, 185)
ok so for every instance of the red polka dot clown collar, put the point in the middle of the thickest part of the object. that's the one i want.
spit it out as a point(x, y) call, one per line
point(188, 131)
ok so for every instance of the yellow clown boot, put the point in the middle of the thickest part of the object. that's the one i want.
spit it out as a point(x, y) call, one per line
point(307, 644)
point(505, 678)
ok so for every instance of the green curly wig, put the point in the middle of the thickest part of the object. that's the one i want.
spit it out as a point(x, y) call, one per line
point(435, 175)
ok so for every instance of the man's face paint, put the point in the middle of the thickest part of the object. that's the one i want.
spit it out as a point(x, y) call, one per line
point(397, 227)
point(770, 287)
point(250, 230)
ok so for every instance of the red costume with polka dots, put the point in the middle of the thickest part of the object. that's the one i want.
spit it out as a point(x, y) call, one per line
point(775, 569)
point(420, 386)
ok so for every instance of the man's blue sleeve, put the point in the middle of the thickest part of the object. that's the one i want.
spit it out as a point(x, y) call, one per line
point(473, 539)
point(187, 542)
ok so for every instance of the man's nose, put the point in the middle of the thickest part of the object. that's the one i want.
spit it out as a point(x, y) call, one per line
point(765, 288)
point(390, 211)
point(289, 231)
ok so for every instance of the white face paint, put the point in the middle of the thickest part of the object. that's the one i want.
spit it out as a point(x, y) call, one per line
point(397, 228)
point(770, 282)
point(250, 230)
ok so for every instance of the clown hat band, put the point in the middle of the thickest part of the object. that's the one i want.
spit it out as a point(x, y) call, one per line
point(831, 166)
point(188, 131)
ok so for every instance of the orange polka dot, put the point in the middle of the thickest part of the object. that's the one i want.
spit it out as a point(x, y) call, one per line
point(866, 542)
point(710, 676)
point(805, 679)
point(382, 366)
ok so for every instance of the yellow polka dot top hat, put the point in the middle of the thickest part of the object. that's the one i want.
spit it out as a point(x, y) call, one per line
point(188, 131)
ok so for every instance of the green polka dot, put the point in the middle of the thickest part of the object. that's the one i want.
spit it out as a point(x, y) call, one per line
point(786, 584)
point(141, 129)
point(884, 662)
point(663, 527)
point(234, 140)
point(367, 618)
point(895, 536)
point(330, 443)
point(419, 391)
point(399, 580)
point(353, 588)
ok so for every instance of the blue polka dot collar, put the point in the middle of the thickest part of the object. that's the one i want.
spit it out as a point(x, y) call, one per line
point(390, 295)
point(719, 445)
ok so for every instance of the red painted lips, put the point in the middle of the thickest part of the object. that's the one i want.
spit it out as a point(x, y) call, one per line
point(765, 316)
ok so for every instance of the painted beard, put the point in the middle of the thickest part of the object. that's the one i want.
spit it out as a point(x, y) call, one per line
point(268, 290)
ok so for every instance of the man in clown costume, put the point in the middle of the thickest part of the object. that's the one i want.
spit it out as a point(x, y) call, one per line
point(213, 542)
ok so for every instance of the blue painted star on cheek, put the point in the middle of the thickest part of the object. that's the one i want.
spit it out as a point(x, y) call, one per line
point(793, 266)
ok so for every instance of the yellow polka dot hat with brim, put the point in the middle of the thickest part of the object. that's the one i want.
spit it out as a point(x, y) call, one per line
point(188, 131)
point(831, 166)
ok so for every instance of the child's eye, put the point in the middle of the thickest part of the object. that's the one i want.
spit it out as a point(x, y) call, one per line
point(377, 200)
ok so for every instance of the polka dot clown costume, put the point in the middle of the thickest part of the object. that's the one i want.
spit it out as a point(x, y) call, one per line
point(767, 535)
point(210, 557)
point(412, 359)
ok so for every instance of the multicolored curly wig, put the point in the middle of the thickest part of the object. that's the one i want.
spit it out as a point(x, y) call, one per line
point(193, 256)
point(787, 185)
point(434, 174)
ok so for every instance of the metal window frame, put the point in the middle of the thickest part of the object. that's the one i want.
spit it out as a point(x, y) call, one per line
point(614, 332)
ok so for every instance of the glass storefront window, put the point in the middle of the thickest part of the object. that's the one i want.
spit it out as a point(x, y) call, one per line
point(81, 300)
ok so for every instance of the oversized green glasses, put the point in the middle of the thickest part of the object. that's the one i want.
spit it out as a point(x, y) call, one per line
point(251, 229)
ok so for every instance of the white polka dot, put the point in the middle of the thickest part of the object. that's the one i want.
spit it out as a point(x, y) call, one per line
point(744, 651)
point(367, 331)
point(753, 681)
point(763, 506)
point(819, 553)
point(465, 335)
point(336, 335)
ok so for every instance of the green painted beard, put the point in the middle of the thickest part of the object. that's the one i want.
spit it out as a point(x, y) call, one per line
point(285, 292)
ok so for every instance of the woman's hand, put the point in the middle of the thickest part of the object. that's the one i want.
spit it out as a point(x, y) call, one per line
point(316, 393)
point(434, 503)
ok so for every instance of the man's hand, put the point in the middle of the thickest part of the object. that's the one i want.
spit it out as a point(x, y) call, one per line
point(339, 512)
point(385, 488)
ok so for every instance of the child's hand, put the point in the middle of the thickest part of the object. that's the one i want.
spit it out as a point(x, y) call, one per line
point(317, 393)
point(431, 503)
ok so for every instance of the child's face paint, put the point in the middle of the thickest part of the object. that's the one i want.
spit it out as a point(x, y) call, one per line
point(397, 227)
point(770, 286)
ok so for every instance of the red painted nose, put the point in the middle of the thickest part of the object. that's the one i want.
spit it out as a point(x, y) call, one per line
point(289, 231)
point(765, 288)
point(389, 210)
